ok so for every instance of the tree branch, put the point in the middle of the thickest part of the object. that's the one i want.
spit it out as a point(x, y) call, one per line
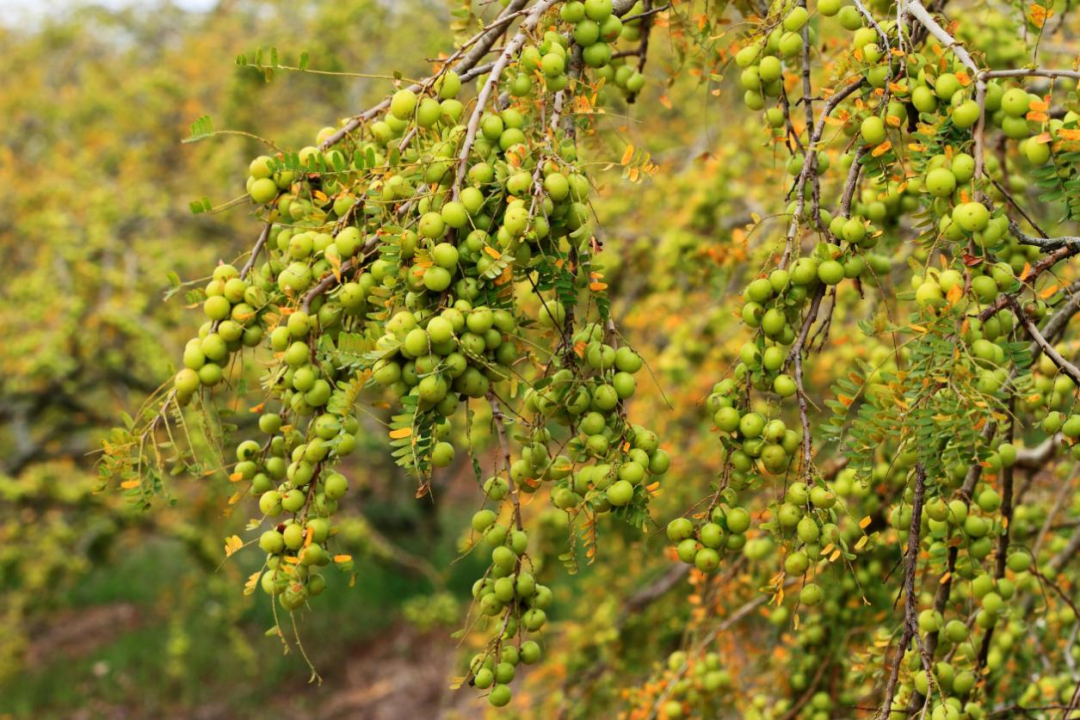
point(910, 599)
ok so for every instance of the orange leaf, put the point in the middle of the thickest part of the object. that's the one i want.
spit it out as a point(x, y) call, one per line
point(1048, 291)
point(955, 293)
point(882, 149)
point(865, 522)
point(236, 477)
point(400, 433)
point(628, 154)
point(493, 252)
point(128, 484)
point(597, 286)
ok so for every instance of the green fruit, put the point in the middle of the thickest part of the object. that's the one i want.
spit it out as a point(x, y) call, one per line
point(971, 216)
point(1037, 153)
point(946, 86)
point(738, 520)
point(500, 696)
point(940, 182)
point(263, 191)
point(432, 225)
point(966, 114)
point(923, 99)
point(751, 425)
point(873, 130)
point(831, 272)
point(598, 10)
point(829, 8)
point(796, 19)
point(620, 493)
point(442, 454)
point(271, 542)
point(1016, 102)
point(186, 381)
point(437, 279)
point(811, 595)
point(403, 104)
point(706, 559)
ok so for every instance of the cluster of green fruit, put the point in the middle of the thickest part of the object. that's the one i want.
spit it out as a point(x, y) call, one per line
point(1053, 390)
point(234, 310)
point(699, 542)
point(497, 668)
point(288, 476)
point(1056, 421)
point(607, 462)
point(510, 592)
point(442, 357)
point(762, 62)
point(693, 685)
point(428, 612)
point(750, 440)
point(399, 262)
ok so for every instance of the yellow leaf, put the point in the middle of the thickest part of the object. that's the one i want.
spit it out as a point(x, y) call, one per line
point(128, 484)
point(862, 542)
point(236, 477)
point(835, 555)
point(400, 433)
point(493, 252)
point(865, 522)
point(342, 558)
point(232, 544)
point(253, 579)
point(235, 498)
point(628, 154)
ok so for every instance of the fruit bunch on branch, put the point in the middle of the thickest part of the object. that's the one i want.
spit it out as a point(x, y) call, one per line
point(439, 252)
